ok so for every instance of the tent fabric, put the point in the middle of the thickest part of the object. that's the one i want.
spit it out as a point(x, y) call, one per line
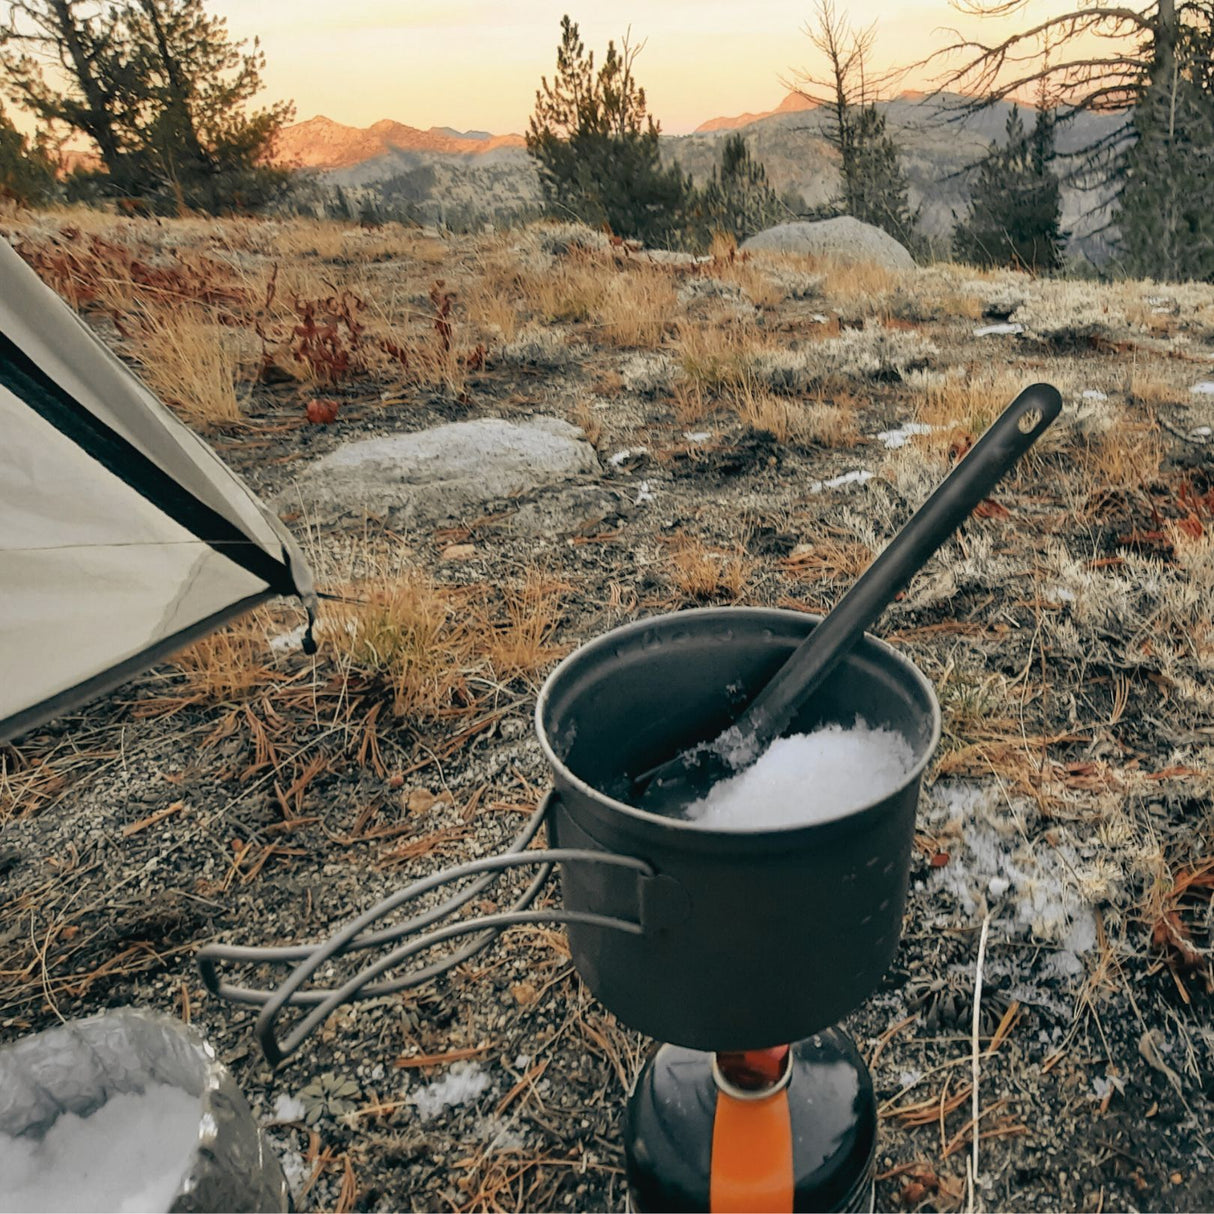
point(122, 535)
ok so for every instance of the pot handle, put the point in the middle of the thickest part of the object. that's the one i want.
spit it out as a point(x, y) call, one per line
point(492, 925)
point(308, 958)
point(662, 902)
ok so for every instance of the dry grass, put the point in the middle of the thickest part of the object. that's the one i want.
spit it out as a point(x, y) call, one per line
point(832, 556)
point(495, 312)
point(519, 639)
point(857, 288)
point(191, 363)
point(637, 308)
point(408, 631)
point(231, 666)
point(433, 648)
point(1155, 384)
point(629, 306)
point(716, 357)
point(1127, 456)
point(588, 418)
point(330, 240)
point(691, 403)
point(744, 272)
point(703, 574)
point(966, 403)
point(827, 425)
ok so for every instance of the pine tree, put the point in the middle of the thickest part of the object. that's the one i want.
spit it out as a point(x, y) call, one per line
point(198, 138)
point(875, 188)
point(737, 199)
point(1163, 212)
point(1150, 64)
point(597, 148)
point(93, 87)
point(1015, 204)
point(27, 169)
point(160, 89)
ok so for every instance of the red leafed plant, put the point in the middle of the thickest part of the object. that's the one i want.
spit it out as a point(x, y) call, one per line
point(318, 338)
point(442, 301)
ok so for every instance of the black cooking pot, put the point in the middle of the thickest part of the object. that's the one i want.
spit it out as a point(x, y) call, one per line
point(750, 938)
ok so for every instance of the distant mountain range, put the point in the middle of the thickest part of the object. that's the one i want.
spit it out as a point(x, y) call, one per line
point(321, 143)
point(442, 174)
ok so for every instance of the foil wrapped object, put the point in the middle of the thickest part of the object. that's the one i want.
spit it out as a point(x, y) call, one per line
point(78, 1066)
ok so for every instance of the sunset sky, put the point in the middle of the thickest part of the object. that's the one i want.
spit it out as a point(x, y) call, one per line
point(475, 64)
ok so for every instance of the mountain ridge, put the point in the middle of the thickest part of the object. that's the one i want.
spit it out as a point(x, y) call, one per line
point(445, 176)
point(321, 143)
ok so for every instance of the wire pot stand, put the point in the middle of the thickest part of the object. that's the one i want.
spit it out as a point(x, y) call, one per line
point(410, 938)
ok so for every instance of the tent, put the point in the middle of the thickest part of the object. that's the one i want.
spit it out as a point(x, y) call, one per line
point(123, 536)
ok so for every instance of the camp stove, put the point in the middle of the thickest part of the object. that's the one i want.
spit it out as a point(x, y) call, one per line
point(750, 939)
point(738, 949)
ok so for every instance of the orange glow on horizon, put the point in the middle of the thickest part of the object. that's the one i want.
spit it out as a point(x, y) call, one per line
point(475, 65)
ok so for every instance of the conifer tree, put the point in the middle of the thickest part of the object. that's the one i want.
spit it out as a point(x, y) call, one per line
point(27, 169)
point(874, 185)
point(1151, 64)
point(737, 199)
point(158, 86)
point(195, 130)
point(1164, 210)
point(1015, 204)
point(596, 147)
point(90, 86)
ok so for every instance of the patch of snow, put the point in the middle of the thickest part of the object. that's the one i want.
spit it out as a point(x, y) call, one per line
point(622, 457)
point(848, 478)
point(1204, 388)
point(1201, 432)
point(908, 1079)
point(1093, 394)
point(697, 436)
point(1039, 883)
point(500, 1136)
point(645, 494)
point(131, 1154)
point(296, 1169)
point(819, 319)
point(998, 330)
point(462, 1084)
point(893, 439)
point(289, 1108)
point(522, 1062)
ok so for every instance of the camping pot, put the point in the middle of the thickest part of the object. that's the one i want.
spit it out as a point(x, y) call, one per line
point(77, 1067)
point(749, 938)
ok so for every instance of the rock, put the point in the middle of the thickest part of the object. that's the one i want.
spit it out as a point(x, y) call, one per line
point(576, 510)
point(447, 472)
point(672, 257)
point(844, 239)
